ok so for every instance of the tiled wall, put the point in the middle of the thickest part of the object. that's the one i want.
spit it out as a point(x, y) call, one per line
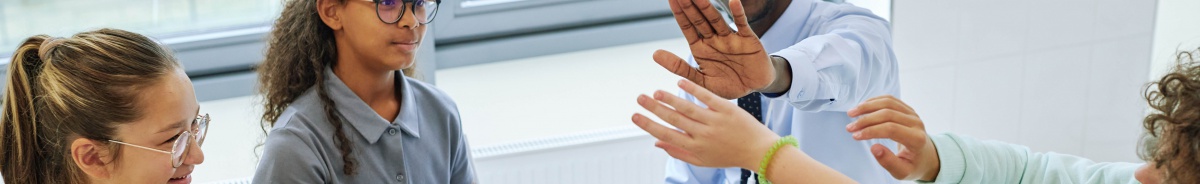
point(1062, 75)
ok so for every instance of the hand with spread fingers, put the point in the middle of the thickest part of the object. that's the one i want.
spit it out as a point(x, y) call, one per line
point(721, 135)
point(886, 117)
point(731, 63)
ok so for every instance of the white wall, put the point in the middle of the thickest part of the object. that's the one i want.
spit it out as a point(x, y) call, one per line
point(1062, 76)
point(1177, 28)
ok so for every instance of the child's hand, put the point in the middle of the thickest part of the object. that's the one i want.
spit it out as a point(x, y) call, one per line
point(721, 135)
point(889, 118)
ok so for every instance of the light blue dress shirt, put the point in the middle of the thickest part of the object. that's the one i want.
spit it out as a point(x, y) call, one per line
point(840, 55)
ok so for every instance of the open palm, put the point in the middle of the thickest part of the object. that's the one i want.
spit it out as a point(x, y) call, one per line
point(731, 63)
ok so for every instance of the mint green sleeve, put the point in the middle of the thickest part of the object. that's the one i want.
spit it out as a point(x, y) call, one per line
point(968, 160)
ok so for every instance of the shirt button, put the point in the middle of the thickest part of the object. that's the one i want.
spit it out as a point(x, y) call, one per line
point(391, 131)
point(400, 177)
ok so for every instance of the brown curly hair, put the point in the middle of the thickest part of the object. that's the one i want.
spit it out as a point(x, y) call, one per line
point(299, 48)
point(1173, 141)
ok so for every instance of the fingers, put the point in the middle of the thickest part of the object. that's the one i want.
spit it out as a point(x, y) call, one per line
point(714, 17)
point(685, 107)
point(899, 168)
point(713, 101)
point(667, 114)
point(881, 102)
point(677, 65)
point(680, 153)
point(689, 31)
point(739, 19)
point(909, 137)
point(698, 21)
point(660, 132)
point(885, 116)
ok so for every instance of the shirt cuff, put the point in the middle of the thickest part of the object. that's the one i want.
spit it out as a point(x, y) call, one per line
point(950, 155)
point(804, 75)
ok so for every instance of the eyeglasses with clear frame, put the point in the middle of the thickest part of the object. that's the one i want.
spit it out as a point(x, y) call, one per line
point(179, 148)
point(391, 11)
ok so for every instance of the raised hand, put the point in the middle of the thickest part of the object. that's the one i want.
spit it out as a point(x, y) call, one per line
point(721, 135)
point(731, 63)
point(889, 118)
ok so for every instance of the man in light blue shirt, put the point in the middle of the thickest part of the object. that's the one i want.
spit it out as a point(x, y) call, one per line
point(813, 61)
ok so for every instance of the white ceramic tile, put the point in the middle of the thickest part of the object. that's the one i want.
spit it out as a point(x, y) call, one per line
point(1115, 107)
point(1118, 18)
point(992, 28)
point(931, 93)
point(1112, 143)
point(1053, 99)
point(987, 99)
point(923, 35)
point(1058, 23)
point(1023, 70)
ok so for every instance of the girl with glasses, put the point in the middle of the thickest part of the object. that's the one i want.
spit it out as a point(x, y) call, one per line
point(340, 103)
point(104, 106)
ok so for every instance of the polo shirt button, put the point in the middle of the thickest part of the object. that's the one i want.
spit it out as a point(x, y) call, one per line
point(400, 177)
point(392, 131)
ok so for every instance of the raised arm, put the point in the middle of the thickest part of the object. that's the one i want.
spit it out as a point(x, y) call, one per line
point(723, 135)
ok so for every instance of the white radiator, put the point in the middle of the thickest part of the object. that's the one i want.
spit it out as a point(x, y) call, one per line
point(622, 155)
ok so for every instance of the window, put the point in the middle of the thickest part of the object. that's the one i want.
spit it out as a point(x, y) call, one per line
point(471, 32)
point(20, 19)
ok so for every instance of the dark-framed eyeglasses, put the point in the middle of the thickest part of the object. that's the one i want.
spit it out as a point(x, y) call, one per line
point(391, 11)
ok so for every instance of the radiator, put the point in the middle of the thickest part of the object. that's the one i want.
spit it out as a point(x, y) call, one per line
point(621, 155)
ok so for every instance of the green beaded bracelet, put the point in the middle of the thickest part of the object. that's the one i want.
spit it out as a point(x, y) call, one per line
point(762, 167)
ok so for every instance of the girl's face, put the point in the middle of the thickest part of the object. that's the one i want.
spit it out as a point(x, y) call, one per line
point(168, 108)
point(378, 45)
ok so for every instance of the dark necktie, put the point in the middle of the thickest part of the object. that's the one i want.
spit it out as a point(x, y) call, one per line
point(752, 103)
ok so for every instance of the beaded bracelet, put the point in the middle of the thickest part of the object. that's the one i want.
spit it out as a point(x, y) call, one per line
point(762, 167)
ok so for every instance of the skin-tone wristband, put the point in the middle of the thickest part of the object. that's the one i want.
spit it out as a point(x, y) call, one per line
point(762, 167)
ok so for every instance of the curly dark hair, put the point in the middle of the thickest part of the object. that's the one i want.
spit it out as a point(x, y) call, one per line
point(299, 49)
point(1173, 141)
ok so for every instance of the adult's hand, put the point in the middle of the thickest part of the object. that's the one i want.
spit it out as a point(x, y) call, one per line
point(889, 118)
point(721, 135)
point(731, 63)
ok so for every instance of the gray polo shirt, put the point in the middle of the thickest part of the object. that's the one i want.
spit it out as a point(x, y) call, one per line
point(423, 145)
